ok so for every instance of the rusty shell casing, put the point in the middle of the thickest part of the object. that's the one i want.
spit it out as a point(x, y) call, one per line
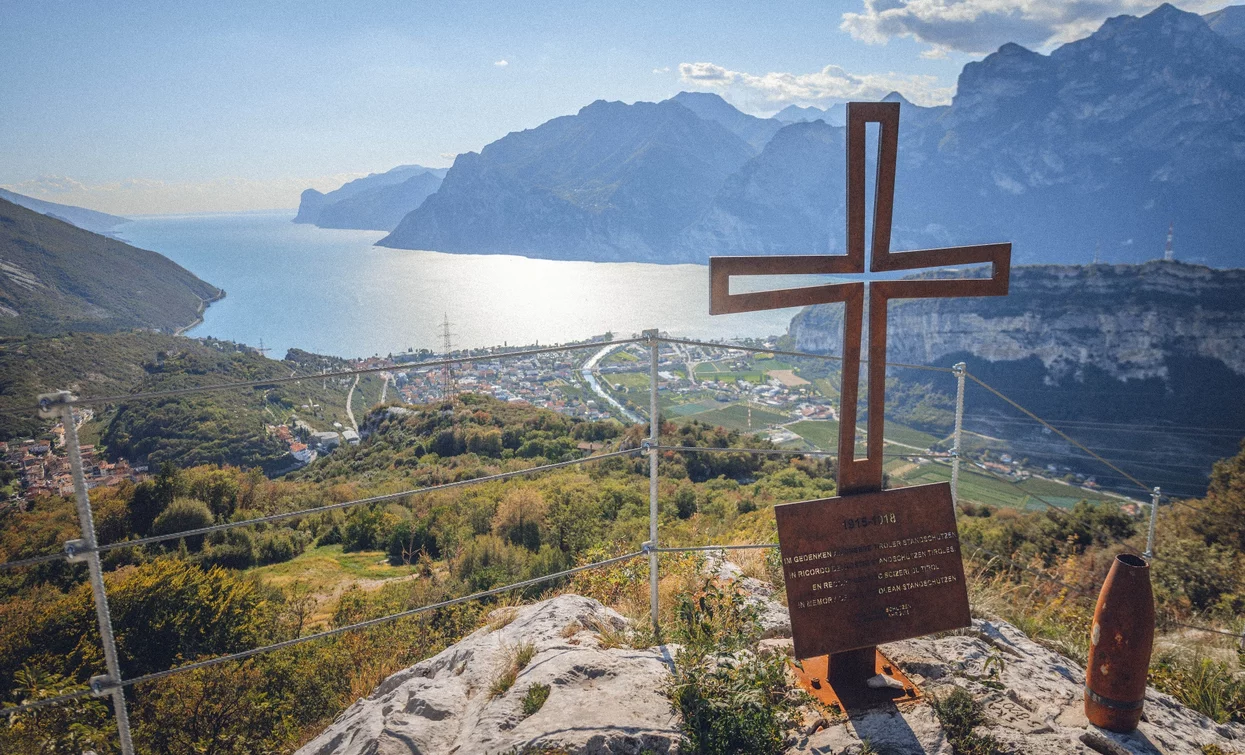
point(1119, 646)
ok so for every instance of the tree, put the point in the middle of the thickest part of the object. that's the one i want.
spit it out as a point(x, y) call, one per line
point(519, 517)
point(183, 515)
point(685, 501)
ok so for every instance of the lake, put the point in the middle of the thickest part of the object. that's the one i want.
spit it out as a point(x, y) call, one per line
point(333, 292)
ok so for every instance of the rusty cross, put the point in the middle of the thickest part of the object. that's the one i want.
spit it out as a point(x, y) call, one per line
point(861, 475)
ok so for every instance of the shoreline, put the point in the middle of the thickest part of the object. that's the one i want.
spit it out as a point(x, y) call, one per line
point(203, 305)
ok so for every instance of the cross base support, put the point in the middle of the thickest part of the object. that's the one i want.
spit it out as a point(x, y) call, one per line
point(841, 680)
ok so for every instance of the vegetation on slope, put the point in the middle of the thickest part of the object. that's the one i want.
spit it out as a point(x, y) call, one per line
point(221, 427)
point(194, 598)
point(58, 277)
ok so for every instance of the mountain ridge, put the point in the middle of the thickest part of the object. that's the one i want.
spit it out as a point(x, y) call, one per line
point(56, 277)
point(88, 220)
point(376, 202)
point(1105, 141)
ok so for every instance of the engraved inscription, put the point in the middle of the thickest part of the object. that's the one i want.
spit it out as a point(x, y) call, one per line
point(871, 568)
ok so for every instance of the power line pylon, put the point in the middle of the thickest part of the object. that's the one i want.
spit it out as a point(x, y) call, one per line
point(449, 382)
point(1168, 254)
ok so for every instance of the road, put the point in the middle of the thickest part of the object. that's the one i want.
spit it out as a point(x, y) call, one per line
point(349, 398)
point(587, 372)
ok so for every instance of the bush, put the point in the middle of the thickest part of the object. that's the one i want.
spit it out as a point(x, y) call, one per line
point(685, 502)
point(958, 714)
point(332, 537)
point(183, 515)
point(731, 698)
point(231, 549)
point(278, 546)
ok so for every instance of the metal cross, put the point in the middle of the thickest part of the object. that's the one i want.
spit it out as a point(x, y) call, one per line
point(861, 475)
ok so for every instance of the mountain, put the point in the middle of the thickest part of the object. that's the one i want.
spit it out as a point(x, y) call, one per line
point(88, 220)
point(380, 208)
point(1102, 143)
point(835, 115)
point(756, 131)
point(613, 182)
point(57, 277)
point(1229, 22)
point(1159, 345)
point(375, 202)
point(1105, 141)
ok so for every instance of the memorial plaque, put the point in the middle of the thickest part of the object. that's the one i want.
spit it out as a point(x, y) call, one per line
point(871, 568)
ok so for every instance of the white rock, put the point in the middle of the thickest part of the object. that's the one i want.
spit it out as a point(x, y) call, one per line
point(601, 701)
point(612, 701)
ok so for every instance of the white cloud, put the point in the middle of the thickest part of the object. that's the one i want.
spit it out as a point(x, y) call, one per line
point(982, 26)
point(769, 92)
point(663, 69)
point(143, 196)
point(449, 155)
point(502, 63)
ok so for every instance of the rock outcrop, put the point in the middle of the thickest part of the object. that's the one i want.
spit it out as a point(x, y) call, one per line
point(607, 699)
point(601, 699)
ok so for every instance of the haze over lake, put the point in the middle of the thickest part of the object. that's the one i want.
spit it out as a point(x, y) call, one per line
point(333, 292)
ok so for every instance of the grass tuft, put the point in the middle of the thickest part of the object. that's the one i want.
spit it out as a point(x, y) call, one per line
point(514, 660)
point(535, 698)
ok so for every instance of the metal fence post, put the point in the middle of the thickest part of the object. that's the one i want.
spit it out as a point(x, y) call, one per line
point(959, 370)
point(654, 433)
point(1154, 520)
point(84, 550)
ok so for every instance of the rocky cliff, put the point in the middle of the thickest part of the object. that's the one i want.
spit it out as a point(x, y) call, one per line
point(608, 699)
point(1159, 344)
point(1127, 321)
point(376, 202)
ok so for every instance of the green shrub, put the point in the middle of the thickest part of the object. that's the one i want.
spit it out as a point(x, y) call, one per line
point(407, 541)
point(1207, 686)
point(731, 699)
point(535, 698)
point(958, 714)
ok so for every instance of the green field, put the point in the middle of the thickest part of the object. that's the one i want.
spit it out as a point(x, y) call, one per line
point(978, 487)
point(908, 436)
point(325, 568)
point(622, 356)
point(629, 380)
point(821, 433)
point(735, 417)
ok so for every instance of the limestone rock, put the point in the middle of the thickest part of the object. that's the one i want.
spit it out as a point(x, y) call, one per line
point(610, 700)
point(600, 700)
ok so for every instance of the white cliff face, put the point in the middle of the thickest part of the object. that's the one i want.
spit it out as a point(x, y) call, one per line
point(610, 700)
point(1126, 320)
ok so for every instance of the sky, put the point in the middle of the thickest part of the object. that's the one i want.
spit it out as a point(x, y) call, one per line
point(141, 107)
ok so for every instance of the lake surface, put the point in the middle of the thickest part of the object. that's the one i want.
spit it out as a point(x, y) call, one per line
point(333, 292)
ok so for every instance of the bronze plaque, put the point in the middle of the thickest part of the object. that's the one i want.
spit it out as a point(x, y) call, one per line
point(871, 568)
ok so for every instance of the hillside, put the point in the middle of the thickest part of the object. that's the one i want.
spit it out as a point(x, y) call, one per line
point(1103, 142)
point(373, 203)
point(58, 278)
point(193, 598)
point(88, 220)
point(225, 427)
point(1154, 345)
